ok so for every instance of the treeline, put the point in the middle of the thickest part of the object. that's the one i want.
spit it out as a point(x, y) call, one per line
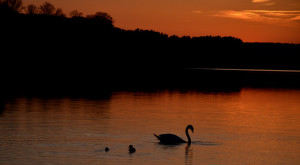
point(45, 49)
point(46, 8)
point(45, 31)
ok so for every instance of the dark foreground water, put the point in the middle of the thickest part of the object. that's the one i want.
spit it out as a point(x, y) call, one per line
point(251, 126)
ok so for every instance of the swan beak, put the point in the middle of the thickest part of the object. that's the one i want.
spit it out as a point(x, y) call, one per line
point(193, 131)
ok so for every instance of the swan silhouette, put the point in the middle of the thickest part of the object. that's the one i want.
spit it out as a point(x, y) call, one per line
point(174, 139)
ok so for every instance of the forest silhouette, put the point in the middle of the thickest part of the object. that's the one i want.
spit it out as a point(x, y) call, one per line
point(44, 49)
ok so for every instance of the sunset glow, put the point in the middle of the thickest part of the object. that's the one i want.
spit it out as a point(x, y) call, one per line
point(250, 20)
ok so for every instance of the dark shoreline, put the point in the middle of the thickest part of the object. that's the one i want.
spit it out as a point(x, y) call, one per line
point(183, 80)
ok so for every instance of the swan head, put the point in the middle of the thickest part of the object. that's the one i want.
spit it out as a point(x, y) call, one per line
point(190, 127)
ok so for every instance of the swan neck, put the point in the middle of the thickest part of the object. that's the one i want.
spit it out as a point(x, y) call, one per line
point(188, 136)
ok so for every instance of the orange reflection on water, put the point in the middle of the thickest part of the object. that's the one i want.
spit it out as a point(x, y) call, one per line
point(251, 126)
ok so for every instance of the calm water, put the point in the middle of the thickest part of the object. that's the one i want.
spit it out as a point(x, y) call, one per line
point(251, 126)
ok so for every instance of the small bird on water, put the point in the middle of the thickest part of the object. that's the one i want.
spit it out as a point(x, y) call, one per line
point(106, 149)
point(131, 149)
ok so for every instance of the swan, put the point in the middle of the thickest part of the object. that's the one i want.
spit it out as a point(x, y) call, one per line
point(174, 139)
point(131, 149)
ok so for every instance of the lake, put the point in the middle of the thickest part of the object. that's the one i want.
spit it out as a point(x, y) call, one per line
point(248, 126)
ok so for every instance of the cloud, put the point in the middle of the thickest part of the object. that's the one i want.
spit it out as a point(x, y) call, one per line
point(267, 16)
point(263, 2)
point(260, 1)
point(297, 18)
point(197, 11)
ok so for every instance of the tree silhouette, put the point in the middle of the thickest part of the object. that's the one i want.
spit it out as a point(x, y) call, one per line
point(47, 9)
point(75, 13)
point(101, 17)
point(31, 9)
point(15, 5)
point(59, 13)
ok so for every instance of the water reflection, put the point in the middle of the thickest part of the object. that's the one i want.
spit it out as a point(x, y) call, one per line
point(252, 126)
point(188, 155)
point(2, 106)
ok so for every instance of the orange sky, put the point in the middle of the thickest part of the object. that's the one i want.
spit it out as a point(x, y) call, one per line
point(250, 20)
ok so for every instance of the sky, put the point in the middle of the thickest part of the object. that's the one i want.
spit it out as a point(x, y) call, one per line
point(249, 20)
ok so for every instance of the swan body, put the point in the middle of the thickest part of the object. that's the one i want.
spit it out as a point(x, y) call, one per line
point(174, 139)
point(169, 138)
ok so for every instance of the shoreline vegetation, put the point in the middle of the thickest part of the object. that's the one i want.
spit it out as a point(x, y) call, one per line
point(44, 51)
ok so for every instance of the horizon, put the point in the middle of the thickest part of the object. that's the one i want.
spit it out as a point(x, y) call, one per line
point(263, 21)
